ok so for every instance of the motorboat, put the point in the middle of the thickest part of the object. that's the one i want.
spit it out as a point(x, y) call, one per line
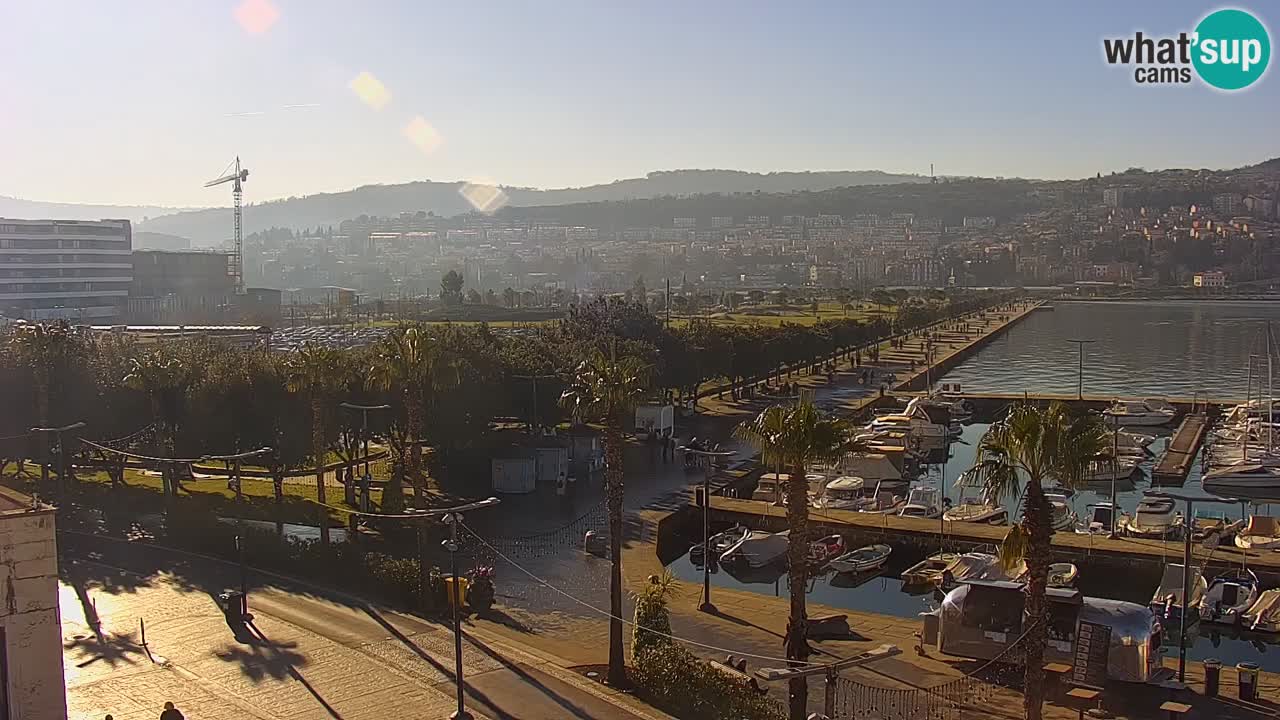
point(1229, 597)
point(1155, 517)
point(771, 487)
point(1142, 413)
point(824, 550)
point(920, 419)
point(720, 542)
point(757, 549)
point(978, 566)
point(981, 508)
point(884, 502)
point(846, 492)
point(1166, 602)
point(863, 559)
point(1133, 441)
point(1107, 469)
point(1264, 615)
point(1214, 523)
point(1063, 575)
point(1242, 476)
point(923, 502)
point(929, 570)
point(1101, 516)
point(1063, 517)
point(1262, 533)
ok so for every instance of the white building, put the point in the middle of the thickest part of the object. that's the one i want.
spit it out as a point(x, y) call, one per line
point(32, 686)
point(79, 270)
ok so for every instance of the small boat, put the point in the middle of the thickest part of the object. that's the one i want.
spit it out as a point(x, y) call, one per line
point(1099, 519)
point(1229, 596)
point(1208, 523)
point(863, 559)
point(884, 503)
point(929, 570)
point(1063, 575)
point(1155, 517)
point(1064, 518)
point(757, 549)
point(1242, 475)
point(977, 566)
point(1264, 615)
point(719, 543)
point(975, 509)
point(1262, 533)
point(823, 551)
point(1166, 602)
point(923, 502)
point(846, 492)
point(1145, 413)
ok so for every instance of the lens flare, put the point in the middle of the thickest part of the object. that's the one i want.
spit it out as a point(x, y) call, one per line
point(256, 16)
point(484, 196)
point(421, 134)
point(370, 90)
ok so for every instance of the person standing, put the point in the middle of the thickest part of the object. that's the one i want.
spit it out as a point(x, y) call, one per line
point(171, 713)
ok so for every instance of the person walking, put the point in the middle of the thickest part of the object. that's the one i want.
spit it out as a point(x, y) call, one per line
point(171, 713)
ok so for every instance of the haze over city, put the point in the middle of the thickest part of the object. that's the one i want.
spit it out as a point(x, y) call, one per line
point(576, 93)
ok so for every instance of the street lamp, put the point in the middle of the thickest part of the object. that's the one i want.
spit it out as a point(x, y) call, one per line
point(364, 437)
point(1080, 374)
point(710, 456)
point(235, 476)
point(535, 378)
point(62, 456)
point(1187, 525)
point(452, 516)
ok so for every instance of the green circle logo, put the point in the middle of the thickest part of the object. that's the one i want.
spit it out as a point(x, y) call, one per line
point(1232, 49)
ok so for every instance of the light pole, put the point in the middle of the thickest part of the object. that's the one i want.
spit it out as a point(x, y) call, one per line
point(452, 516)
point(62, 455)
point(1115, 472)
point(710, 456)
point(535, 378)
point(1080, 373)
point(235, 476)
point(364, 437)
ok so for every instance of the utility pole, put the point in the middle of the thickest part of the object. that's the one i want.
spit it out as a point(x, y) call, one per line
point(710, 457)
point(364, 438)
point(235, 478)
point(62, 453)
point(1080, 374)
point(533, 422)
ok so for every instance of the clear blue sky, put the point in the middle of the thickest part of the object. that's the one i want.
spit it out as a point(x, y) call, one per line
point(136, 101)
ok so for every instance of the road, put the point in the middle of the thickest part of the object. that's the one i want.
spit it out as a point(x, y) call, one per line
point(305, 655)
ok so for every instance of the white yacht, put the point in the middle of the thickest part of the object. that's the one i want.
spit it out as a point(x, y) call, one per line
point(977, 508)
point(1064, 518)
point(923, 502)
point(1229, 597)
point(1242, 475)
point(846, 492)
point(1155, 517)
point(919, 419)
point(757, 549)
point(1140, 413)
point(1101, 515)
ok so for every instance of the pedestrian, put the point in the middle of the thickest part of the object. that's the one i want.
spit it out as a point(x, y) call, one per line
point(171, 713)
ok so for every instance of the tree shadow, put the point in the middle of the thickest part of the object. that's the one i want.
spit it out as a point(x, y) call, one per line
point(260, 658)
point(499, 617)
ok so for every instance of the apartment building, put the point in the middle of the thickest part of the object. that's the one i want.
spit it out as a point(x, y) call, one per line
point(73, 269)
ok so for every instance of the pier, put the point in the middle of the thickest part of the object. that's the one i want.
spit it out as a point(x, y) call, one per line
point(927, 535)
point(1173, 465)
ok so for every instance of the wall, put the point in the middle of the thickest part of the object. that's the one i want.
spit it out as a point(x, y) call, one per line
point(29, 614)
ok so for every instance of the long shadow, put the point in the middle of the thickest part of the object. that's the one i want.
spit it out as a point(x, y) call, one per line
point(555, 697)
point(279, 661)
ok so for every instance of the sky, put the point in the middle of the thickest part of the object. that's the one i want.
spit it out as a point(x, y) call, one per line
point(142, 101)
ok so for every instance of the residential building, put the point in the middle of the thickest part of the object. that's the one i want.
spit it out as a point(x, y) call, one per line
point(31, 680)
point(180, 287)
point(1209, 279)
point(1226, 204)
point(684, 223)
point(1113, 197)
point(824, 276)
point(73, 269)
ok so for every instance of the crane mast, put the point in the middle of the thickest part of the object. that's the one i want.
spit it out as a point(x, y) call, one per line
point(237, 180)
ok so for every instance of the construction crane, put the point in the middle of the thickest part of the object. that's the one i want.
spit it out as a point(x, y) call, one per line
point(237, 178)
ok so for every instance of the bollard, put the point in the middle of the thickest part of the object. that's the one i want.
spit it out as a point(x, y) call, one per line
point(1212, 670)
point(1248, 679)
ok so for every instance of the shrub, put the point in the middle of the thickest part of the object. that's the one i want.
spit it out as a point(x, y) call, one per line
point(651, 614)
point(681, 684)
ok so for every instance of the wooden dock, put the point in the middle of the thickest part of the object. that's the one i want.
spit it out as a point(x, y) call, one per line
point(923, 535)
point(1173, 465)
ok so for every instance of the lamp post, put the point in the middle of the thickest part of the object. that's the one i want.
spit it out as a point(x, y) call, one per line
point(710, 456)
point(62, 455)
point(534, 378)
point(1187, 525)
point(1080, 373)
point(452, 516)
point(364, 438)
point(235, 476)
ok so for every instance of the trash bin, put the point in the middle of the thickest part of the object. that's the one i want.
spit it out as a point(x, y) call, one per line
point(233, 605)
point(1212, 670)
point(1248, 679)
point(461, 597)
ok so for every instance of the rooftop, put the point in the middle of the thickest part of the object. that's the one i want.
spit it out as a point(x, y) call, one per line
point(13, 502)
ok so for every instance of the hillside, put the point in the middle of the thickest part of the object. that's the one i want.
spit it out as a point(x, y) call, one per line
point(212, 226)
point(35, 210)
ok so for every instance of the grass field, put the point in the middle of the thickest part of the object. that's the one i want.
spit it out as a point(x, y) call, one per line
point(798, 314)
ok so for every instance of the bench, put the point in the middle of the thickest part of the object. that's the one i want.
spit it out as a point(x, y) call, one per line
point(1055, 673)
point(1175, 710)
point(736, 671)
point(1084, 699)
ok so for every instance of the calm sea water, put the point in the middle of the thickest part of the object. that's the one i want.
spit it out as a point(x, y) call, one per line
point(1169, 349)
point(1173, 349)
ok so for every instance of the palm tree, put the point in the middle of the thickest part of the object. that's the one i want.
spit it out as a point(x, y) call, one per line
point(792, 437)
point(408, 361)
point(46, 348)
point(1036, 446)
point(605, 388)
point(317, 371)
point(165, 378)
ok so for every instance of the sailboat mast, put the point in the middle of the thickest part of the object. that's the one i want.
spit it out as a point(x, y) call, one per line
point(1248, 413)
point(1271, 447)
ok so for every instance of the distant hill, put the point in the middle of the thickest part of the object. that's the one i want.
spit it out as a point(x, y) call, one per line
point(212, 226)
point(143, 240)
point(35, 210)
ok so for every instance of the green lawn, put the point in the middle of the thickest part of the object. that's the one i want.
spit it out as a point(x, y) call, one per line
point(796, 314)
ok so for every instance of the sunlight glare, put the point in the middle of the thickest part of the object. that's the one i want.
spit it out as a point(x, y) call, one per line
point(370, 90)
point(256, 16)
point(484, 196)
point(421, 134)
